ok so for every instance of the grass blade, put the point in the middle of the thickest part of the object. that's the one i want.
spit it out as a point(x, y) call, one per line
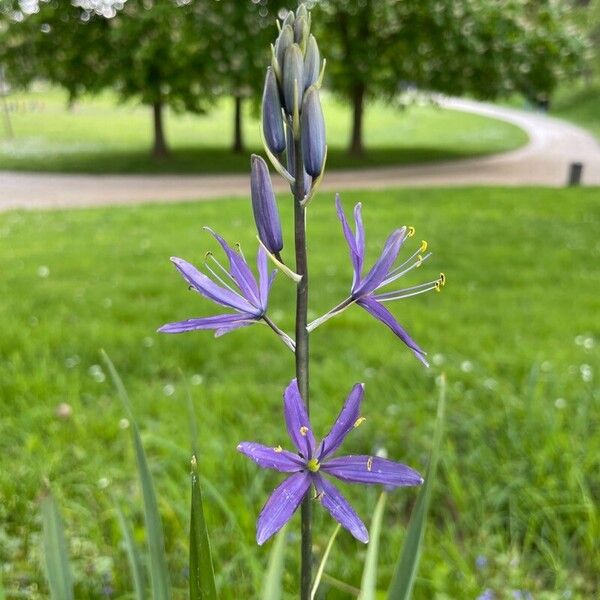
point(321, 568)
point(408, 562)
point(156, 547)
point(202, 576)
point(368, 586)
point(133, 555)
point(273, 588)
point(2, 592)
point(58, 569)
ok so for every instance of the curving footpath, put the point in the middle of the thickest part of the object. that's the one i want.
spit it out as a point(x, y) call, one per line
point(553, 145)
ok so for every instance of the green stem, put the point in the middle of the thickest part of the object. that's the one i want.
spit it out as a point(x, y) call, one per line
point(302, 351)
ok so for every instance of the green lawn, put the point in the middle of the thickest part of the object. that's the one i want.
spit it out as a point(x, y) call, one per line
point(98, 136)
point(580, 103)
point(516, 330)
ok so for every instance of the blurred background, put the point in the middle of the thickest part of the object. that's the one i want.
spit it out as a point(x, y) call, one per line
point(139, 100)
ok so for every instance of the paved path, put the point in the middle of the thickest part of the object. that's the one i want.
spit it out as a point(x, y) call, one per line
point(543, 161)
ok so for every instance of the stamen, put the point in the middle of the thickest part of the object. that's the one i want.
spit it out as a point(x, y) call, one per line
point(319, 497)
point(220, 280)
point(359, 421)
point(411, 231)
point(400, 270)
point(229, 275)
point(423, 246)
point(278, 449)
point(369, 463)
point(442, 279)
point(407, 292)
point(303, 431)
point(438, 287)
point(239, 249)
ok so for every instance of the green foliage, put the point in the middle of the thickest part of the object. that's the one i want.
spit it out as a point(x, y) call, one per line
point(273, 583)
point(56, 552)
point(408, 561)
point(159, 574)
point(202, 577)
point(368, 586)
point(134, 557)
point(515, 329)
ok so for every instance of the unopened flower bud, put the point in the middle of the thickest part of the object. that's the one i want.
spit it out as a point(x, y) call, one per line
point(284, 41)
point(264, 206)
point(302, 12)
point(289, 19)
point(312, 60)
point(293, 71)
point(291, 163)
point(272, 120)
point(301, 31)
point(313, 133)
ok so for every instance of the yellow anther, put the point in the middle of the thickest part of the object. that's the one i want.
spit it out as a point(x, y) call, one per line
point(423, 246)
point(359, 421)
point(442, 279)
point(370, 464)
point(278, 449)
point(411, 231)
point(313, 465)
point(319, 496)
point(303, 430)
point(419, 260)
point(208, 254)
point(438, 286)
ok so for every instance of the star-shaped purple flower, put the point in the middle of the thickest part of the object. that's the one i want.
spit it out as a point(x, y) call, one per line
point(364, 290)
point(238, 290)
point(311, 462)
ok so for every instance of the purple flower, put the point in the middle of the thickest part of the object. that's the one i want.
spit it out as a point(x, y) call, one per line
point(311, 461)
point(237, 289)
point(365, 290)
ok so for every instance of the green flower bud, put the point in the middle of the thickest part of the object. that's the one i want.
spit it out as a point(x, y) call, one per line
point(312, 127)
point(293, 71)
point(284, 41)
point(272, 119)
point(312, 60)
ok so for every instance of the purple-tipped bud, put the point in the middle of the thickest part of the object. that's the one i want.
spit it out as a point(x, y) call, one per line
point(291, 163)
point(284, 41)
point(293, 70)
point(272, 120)
point(312, 60)
point(264, 206)
point(312, 126)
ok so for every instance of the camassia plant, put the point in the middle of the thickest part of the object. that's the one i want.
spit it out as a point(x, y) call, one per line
point(294, 139)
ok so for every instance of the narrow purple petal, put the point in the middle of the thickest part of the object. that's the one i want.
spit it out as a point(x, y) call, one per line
point(357, 252)
point(209, 289)
point(297, 421)
point(339, 508)
point(216, 322)
point(240, 271)
point(371, 470)
point(272, 458)
point(385, 316)
point(264, 282)
point(383, 265)
point(221, 331)
point(281, 505)
point(344, 423)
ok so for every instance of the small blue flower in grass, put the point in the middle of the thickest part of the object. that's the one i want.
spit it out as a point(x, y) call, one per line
point(237, 289)
point(311, 462)
point(364, 290)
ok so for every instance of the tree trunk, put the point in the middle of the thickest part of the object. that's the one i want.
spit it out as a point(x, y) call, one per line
point(159, 149)
point(358, 99)
point(238, 136)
